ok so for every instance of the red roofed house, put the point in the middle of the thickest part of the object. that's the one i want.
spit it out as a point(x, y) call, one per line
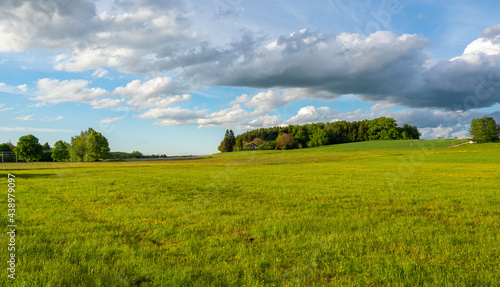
point(252, 146)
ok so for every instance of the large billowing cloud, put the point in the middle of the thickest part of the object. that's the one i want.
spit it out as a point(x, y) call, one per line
point(131, 36)
point(47, 24)
point(379, 67)
point(489, 44)
point(310, 59)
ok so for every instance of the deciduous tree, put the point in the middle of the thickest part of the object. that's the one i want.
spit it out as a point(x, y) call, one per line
point(257, 141)
point(319, 137)
point(79, 147)
point(483, 130)
point(285, 141)
point(28, 148)
point(90, 145)
point(97, 146)
point(4, 147)
point(382, 129)
point(60, 151)
point(410, 132)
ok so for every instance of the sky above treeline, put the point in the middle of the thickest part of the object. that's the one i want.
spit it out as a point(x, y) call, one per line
point(169, 77)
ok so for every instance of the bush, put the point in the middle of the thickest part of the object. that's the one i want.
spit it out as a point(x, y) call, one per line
point(246, 148)
point(267, 145)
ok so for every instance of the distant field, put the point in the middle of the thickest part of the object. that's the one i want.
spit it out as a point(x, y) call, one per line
point(360, 214)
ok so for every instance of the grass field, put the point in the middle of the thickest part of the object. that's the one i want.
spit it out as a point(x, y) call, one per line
point(398, 144)
point(362, 214)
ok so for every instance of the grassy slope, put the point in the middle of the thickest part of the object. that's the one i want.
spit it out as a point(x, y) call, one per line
point(397, 144)
point(337, 215)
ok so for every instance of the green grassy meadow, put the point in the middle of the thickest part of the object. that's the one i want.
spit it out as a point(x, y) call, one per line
point(361, 214)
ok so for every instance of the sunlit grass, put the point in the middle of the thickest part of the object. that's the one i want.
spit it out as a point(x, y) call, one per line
point(388, 216)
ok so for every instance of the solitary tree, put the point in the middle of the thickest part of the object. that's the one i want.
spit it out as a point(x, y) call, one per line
point(483, 130)
point(28, 148)
point(60, 151)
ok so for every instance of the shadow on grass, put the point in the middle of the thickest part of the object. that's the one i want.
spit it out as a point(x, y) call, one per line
point(34, 175)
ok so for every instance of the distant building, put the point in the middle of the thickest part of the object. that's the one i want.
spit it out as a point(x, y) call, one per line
point(498, 131)
point(252, 146)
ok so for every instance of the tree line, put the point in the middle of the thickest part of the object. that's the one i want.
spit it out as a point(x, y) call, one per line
point(90, 145)
point(118, 155)
point(318, 134)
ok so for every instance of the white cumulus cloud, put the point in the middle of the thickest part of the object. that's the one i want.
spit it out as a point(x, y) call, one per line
point(54, 91)
point(173, 116)
point(158, 92)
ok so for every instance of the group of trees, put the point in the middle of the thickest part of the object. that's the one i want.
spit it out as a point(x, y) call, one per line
point(228, 143)
point(484, 130)
point(90, 145)
point(318, 134)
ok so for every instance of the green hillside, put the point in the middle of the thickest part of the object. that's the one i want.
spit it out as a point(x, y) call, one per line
point(397, 144)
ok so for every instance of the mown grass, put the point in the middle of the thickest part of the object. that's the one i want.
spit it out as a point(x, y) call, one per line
point(426, 216)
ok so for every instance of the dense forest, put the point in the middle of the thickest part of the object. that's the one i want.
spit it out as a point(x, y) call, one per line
point(318, 134)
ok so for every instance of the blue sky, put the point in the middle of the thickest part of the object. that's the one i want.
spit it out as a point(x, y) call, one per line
point(170, 77)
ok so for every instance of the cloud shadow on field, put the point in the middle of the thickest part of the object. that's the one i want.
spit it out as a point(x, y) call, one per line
point(34, 175)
